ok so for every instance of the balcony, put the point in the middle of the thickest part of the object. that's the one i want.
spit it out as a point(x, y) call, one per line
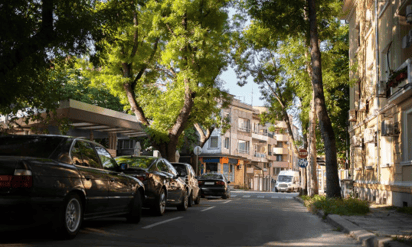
point(260, 136)
point(243, 151)
point(259, 157)
point(280, 151)
point(282, 137)
point(244, 129)
point(281, 164)
point(399, 87)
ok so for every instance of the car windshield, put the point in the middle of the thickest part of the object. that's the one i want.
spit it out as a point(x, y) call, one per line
point(136, 162)
point(211, 176)
point(181, 169)
point(30, 146)
point(283, 178)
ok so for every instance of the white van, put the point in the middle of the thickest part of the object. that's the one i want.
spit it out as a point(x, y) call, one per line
point(288, 181)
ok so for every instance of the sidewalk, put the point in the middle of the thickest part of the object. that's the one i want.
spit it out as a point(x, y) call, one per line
point(380, 228)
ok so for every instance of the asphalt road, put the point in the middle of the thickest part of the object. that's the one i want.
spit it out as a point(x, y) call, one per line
point(245, 219)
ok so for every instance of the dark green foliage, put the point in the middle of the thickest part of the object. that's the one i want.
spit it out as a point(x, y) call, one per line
point(346, 206)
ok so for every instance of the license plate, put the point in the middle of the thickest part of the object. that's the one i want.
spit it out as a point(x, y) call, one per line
point(209, 183)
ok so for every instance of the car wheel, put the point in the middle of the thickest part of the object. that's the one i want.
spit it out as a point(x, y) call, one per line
point(190, 200)
point(276, 190)
point(197, 200)
point(160, 206)
point(70, 217)
point(185, 201)
point(135, 209)
point(224, 196)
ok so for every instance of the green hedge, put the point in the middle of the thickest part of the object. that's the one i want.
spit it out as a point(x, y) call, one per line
point(347, 206)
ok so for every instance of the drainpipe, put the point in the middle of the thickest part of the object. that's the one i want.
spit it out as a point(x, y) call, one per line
point(376, 102)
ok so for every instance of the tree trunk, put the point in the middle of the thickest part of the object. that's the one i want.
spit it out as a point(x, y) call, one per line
point(328, 136)
point(312, 165)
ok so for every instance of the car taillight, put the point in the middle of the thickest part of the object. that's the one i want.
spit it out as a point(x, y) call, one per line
point(22, 178)
point(220, 183)
point(200, 182)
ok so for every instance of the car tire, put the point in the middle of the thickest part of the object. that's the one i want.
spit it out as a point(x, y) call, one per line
point(224, 196)
point(160, 205)
point(276, 190)
point(185, 201)
point(190, 200)
point(70, 217)
point(135, 209)
point(197, 200)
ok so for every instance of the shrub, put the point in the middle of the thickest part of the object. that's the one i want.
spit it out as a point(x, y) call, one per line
point(347, 206)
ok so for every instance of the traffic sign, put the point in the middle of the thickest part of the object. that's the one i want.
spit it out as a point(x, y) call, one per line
point(197, 150)
point(303, 153)
point(303, 163)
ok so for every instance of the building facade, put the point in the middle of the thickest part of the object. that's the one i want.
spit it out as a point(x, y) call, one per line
point(380, 40)
point(248, 153)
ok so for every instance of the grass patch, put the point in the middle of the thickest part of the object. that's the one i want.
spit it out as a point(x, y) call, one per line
point(347, 206)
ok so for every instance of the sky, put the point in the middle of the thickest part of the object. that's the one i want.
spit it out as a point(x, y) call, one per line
point(244, 93)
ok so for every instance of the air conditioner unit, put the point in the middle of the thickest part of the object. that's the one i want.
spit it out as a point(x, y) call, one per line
point(369, 135)
point(356, 141)
point(362, 106)
point(382, 88)
point(389, 128)
point(352, 115)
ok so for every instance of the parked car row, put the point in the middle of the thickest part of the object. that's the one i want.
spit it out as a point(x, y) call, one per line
point(65, 180)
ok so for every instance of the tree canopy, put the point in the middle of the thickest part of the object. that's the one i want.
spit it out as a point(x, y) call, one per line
point(164, 59)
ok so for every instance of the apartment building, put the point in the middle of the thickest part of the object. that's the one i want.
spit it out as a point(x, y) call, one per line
point(380, 39)
point(248, 153)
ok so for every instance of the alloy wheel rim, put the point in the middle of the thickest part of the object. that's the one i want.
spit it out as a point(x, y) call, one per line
point(162, 203)
point(73, 215)
point(186, 201)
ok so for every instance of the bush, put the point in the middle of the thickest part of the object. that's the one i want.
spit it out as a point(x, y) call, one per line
point(347, 206)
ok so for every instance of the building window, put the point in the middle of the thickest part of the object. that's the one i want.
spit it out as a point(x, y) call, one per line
point(269, 149)
point(243, 147)
point(213, 142)
point(244, 124)
point(278, 157)
point(227, 145)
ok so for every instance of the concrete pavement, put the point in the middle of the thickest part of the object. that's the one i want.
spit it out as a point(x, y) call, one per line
point(379, 228)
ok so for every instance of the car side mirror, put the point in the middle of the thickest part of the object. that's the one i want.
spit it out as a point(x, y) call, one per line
point(228, 182)
point(124, 166)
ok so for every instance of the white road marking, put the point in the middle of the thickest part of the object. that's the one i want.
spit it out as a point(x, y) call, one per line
point(207, 209)
point(226, 202)
point(233, 195)
point(162, 222)
point(289, 197)
point(246, 196)
point(261, 197)
point(275, 196)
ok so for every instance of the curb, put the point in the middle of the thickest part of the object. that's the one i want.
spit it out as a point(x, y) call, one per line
point(367, 238)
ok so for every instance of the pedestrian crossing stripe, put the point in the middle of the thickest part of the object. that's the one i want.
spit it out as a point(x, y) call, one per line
point(275, 196)
point(261, 197)
point(246, 196)
point(233, 195)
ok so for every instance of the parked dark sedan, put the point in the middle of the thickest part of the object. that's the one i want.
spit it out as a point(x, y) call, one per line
point(186, 172)
point(163, 186)
point(64, 180)
point(214, 184)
